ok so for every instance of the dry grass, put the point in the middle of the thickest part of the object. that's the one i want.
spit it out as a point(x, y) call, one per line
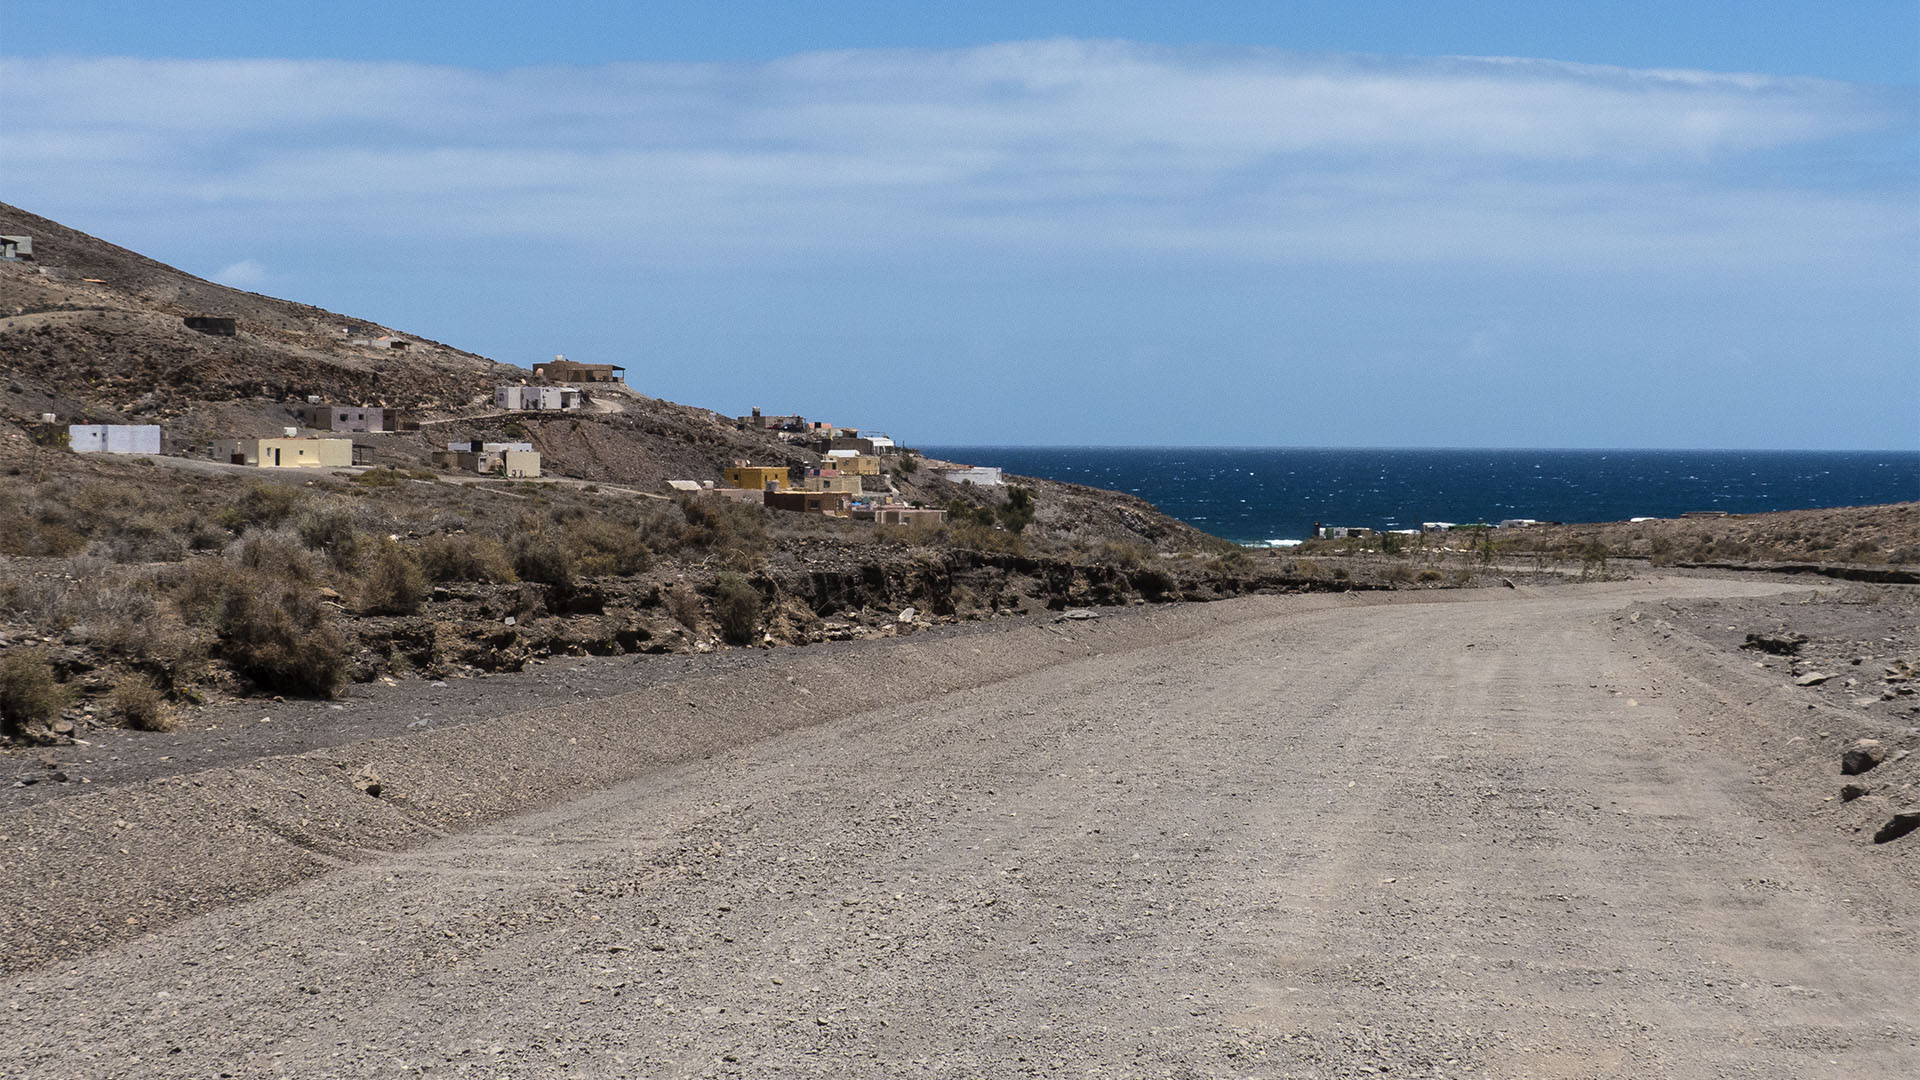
point(140, 705)
point(29, 693)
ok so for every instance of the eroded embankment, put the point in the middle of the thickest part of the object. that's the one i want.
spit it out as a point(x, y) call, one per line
point(87, 870)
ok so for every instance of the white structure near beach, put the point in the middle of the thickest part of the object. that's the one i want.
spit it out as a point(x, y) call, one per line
point(114, 438)
point(983, 475)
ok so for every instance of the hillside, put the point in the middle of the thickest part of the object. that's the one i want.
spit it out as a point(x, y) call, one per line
point(89, 329)
point(179, 579)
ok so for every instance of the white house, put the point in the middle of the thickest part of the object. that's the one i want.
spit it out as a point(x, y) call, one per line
point(517, 398)
point(114, 438)
point(982, 475)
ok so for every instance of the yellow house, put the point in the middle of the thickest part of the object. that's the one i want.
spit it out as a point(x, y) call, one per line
point(757, 477)
point(856, 465)
point(287, 453)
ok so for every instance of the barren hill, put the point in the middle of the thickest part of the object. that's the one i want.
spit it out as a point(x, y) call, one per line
point(90, 329)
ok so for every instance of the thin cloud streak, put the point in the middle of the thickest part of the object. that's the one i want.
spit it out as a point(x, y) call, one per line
point(1072, 149)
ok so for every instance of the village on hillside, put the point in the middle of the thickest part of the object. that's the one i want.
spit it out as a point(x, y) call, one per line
point(852, 477)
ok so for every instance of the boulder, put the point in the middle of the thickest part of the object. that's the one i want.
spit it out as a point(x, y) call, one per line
point(1812, 678)
point(1780, 644)
point(1860, 756)
point(1896, 827)
point(1850, 792)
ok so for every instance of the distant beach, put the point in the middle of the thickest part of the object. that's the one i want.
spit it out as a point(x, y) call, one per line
point(1264, 495)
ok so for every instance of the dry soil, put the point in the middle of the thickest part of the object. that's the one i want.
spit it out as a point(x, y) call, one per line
point(1511, 833)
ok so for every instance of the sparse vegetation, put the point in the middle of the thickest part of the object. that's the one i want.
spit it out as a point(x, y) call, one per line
point(275, 632)
point(394, 585)
point(736, 606)
point(465, 558)
point(140, 705)
point(29, 693)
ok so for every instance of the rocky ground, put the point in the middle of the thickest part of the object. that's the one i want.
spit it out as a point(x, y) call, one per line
point(1513, 833)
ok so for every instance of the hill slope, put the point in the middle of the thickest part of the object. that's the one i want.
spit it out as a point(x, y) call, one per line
point(91, 329)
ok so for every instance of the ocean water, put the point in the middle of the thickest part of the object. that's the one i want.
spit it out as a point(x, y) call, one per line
point(1256, 495)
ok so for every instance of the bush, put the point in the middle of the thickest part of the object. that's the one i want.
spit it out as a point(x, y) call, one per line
point(329, 530)
point(381, 477)
point(1154, 584)
point(1018, 513)
point(463, 558)
point(1430, 575)
point(275, 555)
point(29, 694)
point(140, 705)
point(737, 607)
point(538, 559)
point(277, 634)
point(395, 585)
point(684, 605)
point(268, 505)
point(601, 546)
point(737, 532)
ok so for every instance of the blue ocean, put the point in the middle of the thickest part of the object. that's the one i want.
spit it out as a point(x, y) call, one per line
point(1259, 495)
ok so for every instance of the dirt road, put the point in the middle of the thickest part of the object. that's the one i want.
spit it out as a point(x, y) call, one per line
point(1495, 837)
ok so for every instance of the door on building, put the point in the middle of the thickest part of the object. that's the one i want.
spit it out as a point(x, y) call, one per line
point(276, 457)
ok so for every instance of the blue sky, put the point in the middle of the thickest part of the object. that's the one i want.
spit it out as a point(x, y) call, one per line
point(1495, 224)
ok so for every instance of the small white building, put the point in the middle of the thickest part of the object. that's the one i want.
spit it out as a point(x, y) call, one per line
point(114, 438)
point(981, 475)
point(475, 446)
point(517, 398)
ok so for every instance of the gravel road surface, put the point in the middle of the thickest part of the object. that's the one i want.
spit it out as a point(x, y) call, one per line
point(1496, 837)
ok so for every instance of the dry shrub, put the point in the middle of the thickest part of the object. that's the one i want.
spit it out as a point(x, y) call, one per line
point(21, 534)
point(262, 505)
point(276, 633)
point(394, 585)
point(975, 536)
point(464, 558)
point(275, 555)
point(1123, 554)
point(1430, 575)
point(29, 693)
point(736, 605)
point(684, 605)
point(140, 705)
point(199, 590)
point(537, 558)
point(330, 530)
point(1154, 583)
point(606, 547)
point(736, 532)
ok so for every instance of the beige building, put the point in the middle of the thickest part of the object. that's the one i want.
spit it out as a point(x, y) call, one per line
point(829, 480)
point(286, 453)
point(854, 463)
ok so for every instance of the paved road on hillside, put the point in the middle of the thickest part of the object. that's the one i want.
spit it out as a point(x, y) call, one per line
point(1460, 839)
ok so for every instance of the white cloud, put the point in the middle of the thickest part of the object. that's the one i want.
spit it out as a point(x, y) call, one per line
point(1071, 148)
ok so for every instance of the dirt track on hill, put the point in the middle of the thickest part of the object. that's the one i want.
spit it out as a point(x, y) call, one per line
point(1500, 836)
